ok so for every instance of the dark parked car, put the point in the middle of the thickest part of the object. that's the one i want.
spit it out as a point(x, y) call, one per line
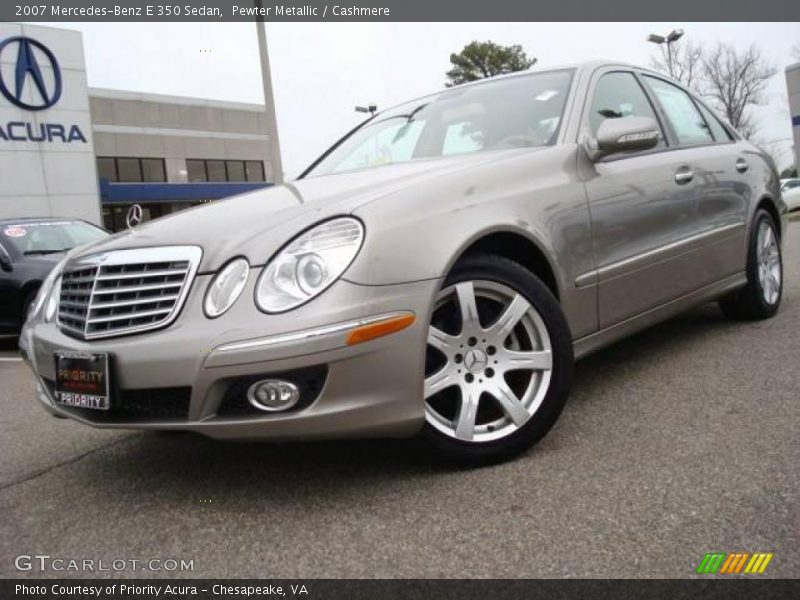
point(29, 249)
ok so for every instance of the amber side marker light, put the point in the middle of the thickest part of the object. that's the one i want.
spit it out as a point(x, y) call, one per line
point(379, 329)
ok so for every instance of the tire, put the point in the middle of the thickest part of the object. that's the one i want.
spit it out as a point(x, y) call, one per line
point(469, 415)
point(761, 297)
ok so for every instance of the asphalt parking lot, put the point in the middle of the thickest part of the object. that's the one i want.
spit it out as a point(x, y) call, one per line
point(680, 441)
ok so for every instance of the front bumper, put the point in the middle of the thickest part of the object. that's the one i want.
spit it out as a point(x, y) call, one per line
point(372, 389)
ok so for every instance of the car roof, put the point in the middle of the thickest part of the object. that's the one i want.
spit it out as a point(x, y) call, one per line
point(578, 67)
point(19, 220)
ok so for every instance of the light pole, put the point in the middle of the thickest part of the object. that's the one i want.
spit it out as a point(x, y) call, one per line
point(369, 108)
point(672, 37)
point(269, 99)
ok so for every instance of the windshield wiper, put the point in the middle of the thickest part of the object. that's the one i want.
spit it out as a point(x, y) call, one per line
point(30, 252)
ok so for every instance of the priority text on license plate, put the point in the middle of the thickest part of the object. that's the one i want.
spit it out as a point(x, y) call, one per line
point(82, 380)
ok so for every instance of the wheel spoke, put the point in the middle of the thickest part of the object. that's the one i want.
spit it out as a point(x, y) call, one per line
point(509, 403)
point(467, 305)
point(769, 237)
point(465, 427)
point(506, 322)
point(765, 239)
point(444, 342)
point(774, 282)
point(439, 381)
point(535, 360)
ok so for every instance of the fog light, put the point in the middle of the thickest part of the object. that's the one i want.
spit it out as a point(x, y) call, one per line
point(273, 395)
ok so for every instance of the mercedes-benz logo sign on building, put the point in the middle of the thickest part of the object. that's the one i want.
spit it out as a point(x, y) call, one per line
point(134, 216)
point(28, 72)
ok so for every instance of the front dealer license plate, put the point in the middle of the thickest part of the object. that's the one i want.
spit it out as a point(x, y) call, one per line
point(82, 380)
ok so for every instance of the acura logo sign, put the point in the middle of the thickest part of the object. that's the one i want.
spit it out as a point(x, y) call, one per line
point(28, 74)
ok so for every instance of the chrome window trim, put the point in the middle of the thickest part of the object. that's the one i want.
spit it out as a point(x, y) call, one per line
point(192, 254)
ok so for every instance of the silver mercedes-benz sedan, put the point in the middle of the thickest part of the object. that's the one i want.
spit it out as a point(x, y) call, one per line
point(437, 271)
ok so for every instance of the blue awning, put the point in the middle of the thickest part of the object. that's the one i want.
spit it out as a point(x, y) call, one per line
point(142, 193)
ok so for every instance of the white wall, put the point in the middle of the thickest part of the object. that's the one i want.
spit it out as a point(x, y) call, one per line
point(48, 178)
point(793, 86)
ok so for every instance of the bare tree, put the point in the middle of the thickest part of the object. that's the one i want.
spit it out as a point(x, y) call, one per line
point(683, 61)
point(735, 80)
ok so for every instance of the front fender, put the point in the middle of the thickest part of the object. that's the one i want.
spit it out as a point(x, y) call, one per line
point(418, 233)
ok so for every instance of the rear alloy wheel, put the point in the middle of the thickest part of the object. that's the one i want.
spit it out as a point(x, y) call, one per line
point(761, 297)
point(498, 361)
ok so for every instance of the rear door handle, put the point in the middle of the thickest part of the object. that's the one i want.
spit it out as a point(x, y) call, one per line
point(684, 175)
point(741, 165)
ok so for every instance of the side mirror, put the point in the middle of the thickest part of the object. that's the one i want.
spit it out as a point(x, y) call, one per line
point(625, 134)
point(5, 262)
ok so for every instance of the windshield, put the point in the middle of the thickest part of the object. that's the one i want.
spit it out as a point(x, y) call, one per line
point(523, 111)
point(48, 237)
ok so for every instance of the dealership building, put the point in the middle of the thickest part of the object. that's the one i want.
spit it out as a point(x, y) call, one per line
point(68, 150)
point(793, 87)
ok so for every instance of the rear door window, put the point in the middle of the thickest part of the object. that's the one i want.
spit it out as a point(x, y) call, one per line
point(688, 124)
point(717, 129)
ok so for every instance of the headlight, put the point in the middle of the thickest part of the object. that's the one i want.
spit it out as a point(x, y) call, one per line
point(52, 301)
point(309, 264)
point(226, 287)
point(44, 290)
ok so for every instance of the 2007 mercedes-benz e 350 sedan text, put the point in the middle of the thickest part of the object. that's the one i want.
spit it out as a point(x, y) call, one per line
point(436, 271)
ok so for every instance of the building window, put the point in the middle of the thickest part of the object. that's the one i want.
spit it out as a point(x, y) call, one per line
point(215, 170)
point(235, 170)
point(107, 169)
point(196, 170)
point(255, 170)
point(224, 170)
point(131, 170)
point(153, 169)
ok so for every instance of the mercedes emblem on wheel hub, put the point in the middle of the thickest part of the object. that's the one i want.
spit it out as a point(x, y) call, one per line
point(475, 360)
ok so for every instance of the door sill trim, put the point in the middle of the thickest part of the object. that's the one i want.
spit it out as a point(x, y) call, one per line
point(605, 337)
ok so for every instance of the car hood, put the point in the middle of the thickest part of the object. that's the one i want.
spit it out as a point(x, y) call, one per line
point(41, 264)
point(257, 224)
point(45, 261)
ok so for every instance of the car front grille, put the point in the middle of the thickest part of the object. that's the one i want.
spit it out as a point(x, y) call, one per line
point(125, 291)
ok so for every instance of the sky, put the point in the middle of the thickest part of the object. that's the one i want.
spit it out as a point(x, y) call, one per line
point(321, 71)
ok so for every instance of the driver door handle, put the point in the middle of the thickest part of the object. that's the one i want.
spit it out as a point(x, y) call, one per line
point(741, 165)
point(684, 175)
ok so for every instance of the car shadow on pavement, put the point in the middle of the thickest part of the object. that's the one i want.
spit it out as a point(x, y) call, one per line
point(187, 465)
point(651, 345)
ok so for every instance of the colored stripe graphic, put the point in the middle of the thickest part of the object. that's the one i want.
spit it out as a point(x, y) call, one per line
point(759, 562)
point(711, 563)
point(735, 562)
point(723, 563)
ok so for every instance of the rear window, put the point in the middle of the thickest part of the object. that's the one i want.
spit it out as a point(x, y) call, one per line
point(47, 237)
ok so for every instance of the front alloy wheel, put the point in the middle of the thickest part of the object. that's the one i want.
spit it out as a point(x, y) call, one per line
point(498, 360)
